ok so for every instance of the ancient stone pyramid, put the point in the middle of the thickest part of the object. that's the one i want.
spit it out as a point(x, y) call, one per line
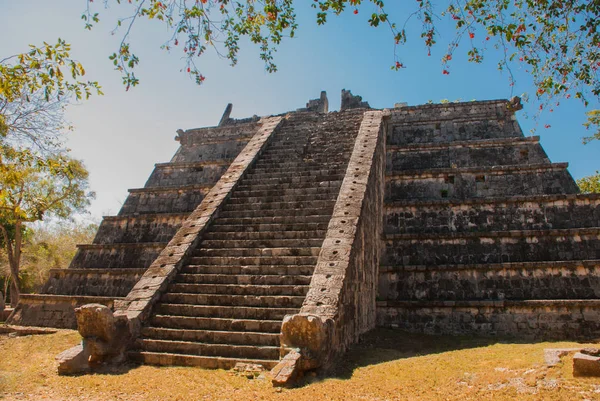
point(435, 218)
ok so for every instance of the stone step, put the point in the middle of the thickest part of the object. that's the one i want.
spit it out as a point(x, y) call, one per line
point(273, 213)
point(258, 252)
point(276, 301)
point(318, 204)
point(287, 166)
point(272, 244)
point(220, 311)
point(332, 190)
point(321, 156)
point(215, 350)
point(266, 235)
point(211, 323)
point(206, 362)
point(212, 336)
point(325, 196)
point(247, 186)
point(272, 173)
point(245, 279)
point(259, 220)
point(291, 179)
point(309, 148)
point(237, 289)
point(310, 145)
point(259, 270)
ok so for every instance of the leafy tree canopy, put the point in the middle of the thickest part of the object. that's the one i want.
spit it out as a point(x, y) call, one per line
point(37, 176)
point(556, 41)
point(34, 89)
point(32, 188)
point(590, 184)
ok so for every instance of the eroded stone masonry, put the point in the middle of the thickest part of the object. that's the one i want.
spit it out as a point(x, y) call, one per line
point(280, 240)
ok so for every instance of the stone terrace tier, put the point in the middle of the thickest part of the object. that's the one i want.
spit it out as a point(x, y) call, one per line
point(255, 262)
point(476, 212)
point(125, 245)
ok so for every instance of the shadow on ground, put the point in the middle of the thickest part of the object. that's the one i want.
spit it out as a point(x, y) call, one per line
point(384, 345)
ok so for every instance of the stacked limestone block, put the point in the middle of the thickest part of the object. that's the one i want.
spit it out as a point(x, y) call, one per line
point(126, 244)
point(482, 233)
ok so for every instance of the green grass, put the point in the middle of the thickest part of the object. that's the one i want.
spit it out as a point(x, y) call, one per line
point(387, 365)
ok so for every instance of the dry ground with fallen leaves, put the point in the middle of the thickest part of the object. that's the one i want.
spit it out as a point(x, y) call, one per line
point(387, 365)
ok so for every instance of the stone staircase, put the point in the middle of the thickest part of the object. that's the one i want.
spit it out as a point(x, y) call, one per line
point(254, 264)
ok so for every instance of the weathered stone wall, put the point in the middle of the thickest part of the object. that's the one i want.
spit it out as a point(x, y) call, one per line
point(452, 122)
point(210, 152)
point(511, 213)
point(52, 310)
point(116, 256)
point(163, 200)
point(517, 281)
point(492, 247)
point(92, 282)
point(213, 144)
point(183, 174)
point(141, 228)
point(485, 153)
point(483, 235)
point(537, 320)
point(474, 182)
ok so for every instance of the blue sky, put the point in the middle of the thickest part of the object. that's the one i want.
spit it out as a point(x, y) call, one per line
point(122, 134)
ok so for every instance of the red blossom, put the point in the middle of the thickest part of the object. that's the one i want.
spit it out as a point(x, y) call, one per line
point(355, 11)
point(445, 72)
point(471, 35)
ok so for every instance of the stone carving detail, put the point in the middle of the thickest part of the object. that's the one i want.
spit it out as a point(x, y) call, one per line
point(105, 339)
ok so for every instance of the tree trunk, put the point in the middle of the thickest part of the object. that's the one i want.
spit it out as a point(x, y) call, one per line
point(15, 292)
point(13, 250)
